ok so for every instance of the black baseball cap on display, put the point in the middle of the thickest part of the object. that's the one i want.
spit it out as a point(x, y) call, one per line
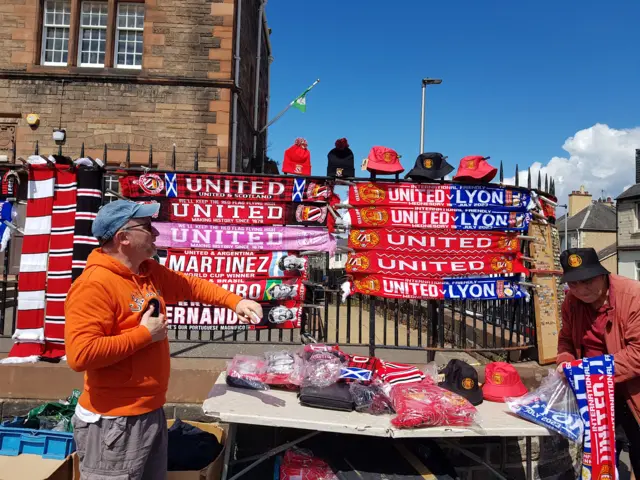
point(462, 378)
point(580, 264)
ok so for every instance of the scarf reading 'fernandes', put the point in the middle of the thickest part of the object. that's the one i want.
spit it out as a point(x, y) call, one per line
point(592, 380)
point(388, 286)
point(438, 218)
point(453, 242)
point(225, 187)
point(435, 195)
point(176, 235)
point(420, 266)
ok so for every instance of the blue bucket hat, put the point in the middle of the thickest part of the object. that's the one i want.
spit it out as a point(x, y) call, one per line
point(113, 216)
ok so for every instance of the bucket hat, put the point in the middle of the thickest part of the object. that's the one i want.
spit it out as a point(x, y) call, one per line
point(430, 166)
point(476, 169)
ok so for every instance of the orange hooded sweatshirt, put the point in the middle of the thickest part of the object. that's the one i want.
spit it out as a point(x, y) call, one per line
point(125, 373)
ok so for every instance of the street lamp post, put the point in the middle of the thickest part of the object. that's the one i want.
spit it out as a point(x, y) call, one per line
point(425, 82)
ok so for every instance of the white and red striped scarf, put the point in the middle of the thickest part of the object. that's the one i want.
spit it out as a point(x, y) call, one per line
point(60, 259)
point(29, 335)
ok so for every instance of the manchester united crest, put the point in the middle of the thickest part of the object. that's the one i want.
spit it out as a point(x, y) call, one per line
point(368, 285)
point(472, 164)
point(501, 264)
point(357, 262)
point(364, 238)
point(370, 193)
point(388, 157)
point(374, 216)
point(428, 163)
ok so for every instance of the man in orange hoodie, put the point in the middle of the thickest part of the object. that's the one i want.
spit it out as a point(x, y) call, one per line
point(116, 333)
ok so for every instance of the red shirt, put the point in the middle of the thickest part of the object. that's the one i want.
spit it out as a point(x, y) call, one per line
point(593, 338)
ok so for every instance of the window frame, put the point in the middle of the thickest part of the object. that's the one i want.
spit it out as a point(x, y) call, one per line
point(116, 35)
point(637, 215)
point(80, 38)
point(43, 33)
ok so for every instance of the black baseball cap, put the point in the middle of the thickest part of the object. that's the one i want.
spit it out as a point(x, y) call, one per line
point(579, 264)
point(462, 378)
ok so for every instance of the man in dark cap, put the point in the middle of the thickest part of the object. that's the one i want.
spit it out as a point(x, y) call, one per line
point(601, 315)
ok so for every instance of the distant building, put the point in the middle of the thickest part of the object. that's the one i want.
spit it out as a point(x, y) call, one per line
point(591, 224)
point(629, 228)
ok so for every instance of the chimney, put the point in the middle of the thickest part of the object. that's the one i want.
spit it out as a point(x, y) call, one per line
point(637, 165)
point(578, 201)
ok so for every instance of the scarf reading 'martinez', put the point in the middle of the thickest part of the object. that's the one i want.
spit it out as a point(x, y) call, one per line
point(225, 187)
point(176, 235)
point(438, 218)
point(452, 242)
point(435, 195)
point(434, 265)
point(234, 212)
point(592, 380)
point(389, 286)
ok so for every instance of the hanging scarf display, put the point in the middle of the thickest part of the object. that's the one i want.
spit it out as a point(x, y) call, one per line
point(185, 235)
point(231, 265)
point(434, 265)
point(396, 287)
point(29, 333)
point(60, 260)
point(267, 289)
point(193, 316)
point(592, 381)
point(453, 242)
point(436, 195)
point(225, 187)
point(10, 182)
point(438, 218)
point(6, 215)
point(89, 199)
point(233, 212)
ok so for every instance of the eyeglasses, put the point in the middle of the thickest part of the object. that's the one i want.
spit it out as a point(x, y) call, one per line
point(145, 226)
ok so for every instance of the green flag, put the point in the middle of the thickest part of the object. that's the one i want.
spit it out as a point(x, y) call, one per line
point(301, 102)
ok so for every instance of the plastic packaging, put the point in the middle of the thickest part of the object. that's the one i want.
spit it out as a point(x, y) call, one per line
point(371, 399)
point(424, 404)
point(322, 365)
point(283, 369)
point(300, 463)
point(246, 371)
point(553, 405)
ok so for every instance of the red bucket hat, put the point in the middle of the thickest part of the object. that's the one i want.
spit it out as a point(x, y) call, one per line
point(475, 168)
point(297, 159)
point(384, 160)
point(501, 381)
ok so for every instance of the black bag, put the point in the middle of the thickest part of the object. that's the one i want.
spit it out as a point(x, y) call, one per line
point(333, 397)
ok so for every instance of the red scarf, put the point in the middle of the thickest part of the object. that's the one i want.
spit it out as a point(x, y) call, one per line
point(453, 242)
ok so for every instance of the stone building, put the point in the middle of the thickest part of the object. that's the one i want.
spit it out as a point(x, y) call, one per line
point(144, 73)
point(629, 228)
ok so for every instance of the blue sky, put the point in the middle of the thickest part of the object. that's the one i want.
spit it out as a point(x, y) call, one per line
point(519, 78)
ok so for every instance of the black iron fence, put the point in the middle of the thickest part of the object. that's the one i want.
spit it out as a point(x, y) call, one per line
point(499, 326)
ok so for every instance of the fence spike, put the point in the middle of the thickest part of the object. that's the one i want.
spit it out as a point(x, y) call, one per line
point(60, 149)
point(552, 187)
point(529, 179)
point(15, 151)
point(82, 151)
point(539, 180)
point(173, 157)
point(501, 173)
point(546, 182)
point(195, 161)
point(104, 155)
point(219, 160)
point(128, 157)
point(517, 181)
point(150, 155)
point(37, 150)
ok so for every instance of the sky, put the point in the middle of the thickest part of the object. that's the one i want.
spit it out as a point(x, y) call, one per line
point(547, 84)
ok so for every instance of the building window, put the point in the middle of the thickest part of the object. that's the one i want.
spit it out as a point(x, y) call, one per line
point(108, 34)
point(93, 34)
point(637, 217)
point(637, 270)
point(129, 35)
point(55, 32)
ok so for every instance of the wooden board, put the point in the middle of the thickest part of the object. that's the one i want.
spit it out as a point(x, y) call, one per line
point(548, 297)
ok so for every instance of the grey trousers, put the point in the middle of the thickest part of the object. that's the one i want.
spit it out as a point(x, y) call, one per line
point(123, 448)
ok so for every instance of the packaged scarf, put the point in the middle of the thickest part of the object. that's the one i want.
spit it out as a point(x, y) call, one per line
point(421, 266)
point(451, 242)
point(592, 381)
point(436, 195)
point(400, 287)
point(433, 218)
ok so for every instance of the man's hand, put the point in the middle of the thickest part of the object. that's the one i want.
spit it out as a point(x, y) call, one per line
point(559, 369)
point(249, 311)
point(157, 326)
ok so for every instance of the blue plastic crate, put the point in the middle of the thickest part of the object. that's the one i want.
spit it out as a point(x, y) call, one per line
point(46, 443)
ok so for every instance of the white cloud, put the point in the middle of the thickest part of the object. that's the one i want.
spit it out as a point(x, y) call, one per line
point(599, 157)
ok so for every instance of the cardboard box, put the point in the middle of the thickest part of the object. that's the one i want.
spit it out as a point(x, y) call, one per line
point(214, 470)
point(34, 467)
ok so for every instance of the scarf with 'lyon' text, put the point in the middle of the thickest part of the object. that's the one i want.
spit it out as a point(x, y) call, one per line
point(225, 187)
point(438, 218)
point(436, 195)
point(592, 381)
point(214, 237)
point(452, 242)
point(419, 266)
point(400, 287)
